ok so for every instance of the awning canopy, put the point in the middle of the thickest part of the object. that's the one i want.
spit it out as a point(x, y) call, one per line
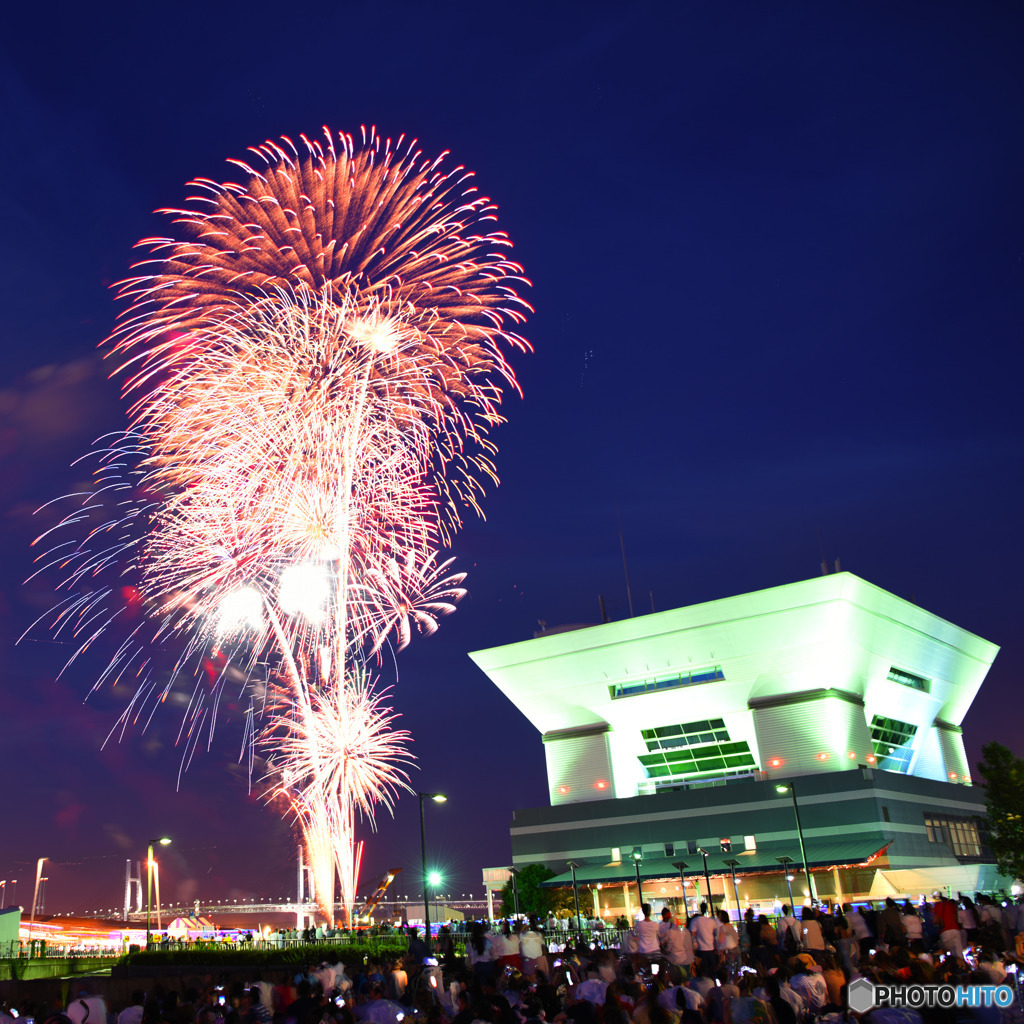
point(821, 853)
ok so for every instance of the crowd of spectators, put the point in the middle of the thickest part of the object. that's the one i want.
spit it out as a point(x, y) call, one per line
point(705, 969)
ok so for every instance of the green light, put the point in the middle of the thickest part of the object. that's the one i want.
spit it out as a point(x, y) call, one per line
point(782, 789)
point(434, 878)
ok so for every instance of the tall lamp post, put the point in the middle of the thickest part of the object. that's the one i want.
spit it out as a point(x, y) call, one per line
point(512, 873)
point(785, 862)
point(734, 864)
point(707, 879)
point(165, 841)
point(681, 866)
point(638, 856)
point(575, 893)
point(790, 788)
point(438, 798)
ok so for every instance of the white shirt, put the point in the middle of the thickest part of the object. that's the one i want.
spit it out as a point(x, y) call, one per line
point(704, 929)
point(856, 921)
point(91, 1008)
point(726, 938)
point(812, 989)
point(531, 945)
point(678, 947)
point(646, 932)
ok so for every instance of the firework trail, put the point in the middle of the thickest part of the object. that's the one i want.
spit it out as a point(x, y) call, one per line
point(314, 371)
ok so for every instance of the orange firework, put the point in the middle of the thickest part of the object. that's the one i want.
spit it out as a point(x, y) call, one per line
point(314, 372)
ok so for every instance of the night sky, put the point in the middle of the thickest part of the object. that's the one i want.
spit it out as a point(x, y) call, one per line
point(778, 264)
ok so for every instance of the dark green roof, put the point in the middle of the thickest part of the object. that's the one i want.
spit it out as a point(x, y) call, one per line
point(821, 853)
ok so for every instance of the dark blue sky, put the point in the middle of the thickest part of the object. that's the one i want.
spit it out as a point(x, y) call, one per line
point(778, 255)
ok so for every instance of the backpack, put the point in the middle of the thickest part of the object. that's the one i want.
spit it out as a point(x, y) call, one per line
point(789, 942)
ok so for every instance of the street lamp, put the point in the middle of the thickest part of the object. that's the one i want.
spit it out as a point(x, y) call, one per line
point(681, 866)
point(165, 841)
point(438, 798)
point(575, 893)
point(785, 862)
point(791, 790)
point(707, 879)
point(512, 873)
point(638, 855)
point(734, 864)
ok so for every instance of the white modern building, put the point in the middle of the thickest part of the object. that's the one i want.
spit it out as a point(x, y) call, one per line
point(831, 685)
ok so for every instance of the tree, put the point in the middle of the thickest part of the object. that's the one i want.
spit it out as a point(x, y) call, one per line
point(533, 899)
point(1004, 798)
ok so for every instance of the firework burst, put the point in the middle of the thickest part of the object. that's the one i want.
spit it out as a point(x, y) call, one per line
point(314, 371)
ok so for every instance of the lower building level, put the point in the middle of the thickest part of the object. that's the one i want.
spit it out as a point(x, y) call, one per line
point(862, 834)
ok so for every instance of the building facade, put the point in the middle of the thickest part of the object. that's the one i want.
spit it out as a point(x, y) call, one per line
point(830, 699)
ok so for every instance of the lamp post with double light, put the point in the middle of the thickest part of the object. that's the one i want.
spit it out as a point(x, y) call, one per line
point(438, 798)
point(150, 864)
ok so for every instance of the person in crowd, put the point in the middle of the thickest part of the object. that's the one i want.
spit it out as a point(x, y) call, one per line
point(480, 952)
point(532, 950)
point(703, 930)
point(789, 932)
point(727, 942)
point(645, 932)
point(913, 928)
point(677, 945)
point(858, 925)
point(811, 936)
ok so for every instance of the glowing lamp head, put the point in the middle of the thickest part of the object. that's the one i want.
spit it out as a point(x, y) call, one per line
point(241, 609)
point(775, 762)
point(563, 790)
point(601, 784)
point(782, 789)
point(871, 759)
point(304, 590)
point(166, 841)
point(434, 878)
point(823, 757)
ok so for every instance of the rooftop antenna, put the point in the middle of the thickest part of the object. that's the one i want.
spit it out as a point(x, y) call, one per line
point(821, 549)
point(625, 567)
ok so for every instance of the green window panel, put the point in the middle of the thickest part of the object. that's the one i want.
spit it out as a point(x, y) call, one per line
point(893, 743)
point(909, 679)
point(671, 682)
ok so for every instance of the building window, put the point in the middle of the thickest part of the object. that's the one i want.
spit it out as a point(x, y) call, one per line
point(670, 849)
point(959, 834)
point(691, 846)
point(749, 843)
point(897, 675)
point(893, 742)
point(885, 813)
point(689, 734)
point(693, 753)
point(670, 682)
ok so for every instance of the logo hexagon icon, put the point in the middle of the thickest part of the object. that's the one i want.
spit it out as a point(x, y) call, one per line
point(861, 995)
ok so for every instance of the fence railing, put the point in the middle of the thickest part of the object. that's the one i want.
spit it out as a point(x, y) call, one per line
point(556, 941)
